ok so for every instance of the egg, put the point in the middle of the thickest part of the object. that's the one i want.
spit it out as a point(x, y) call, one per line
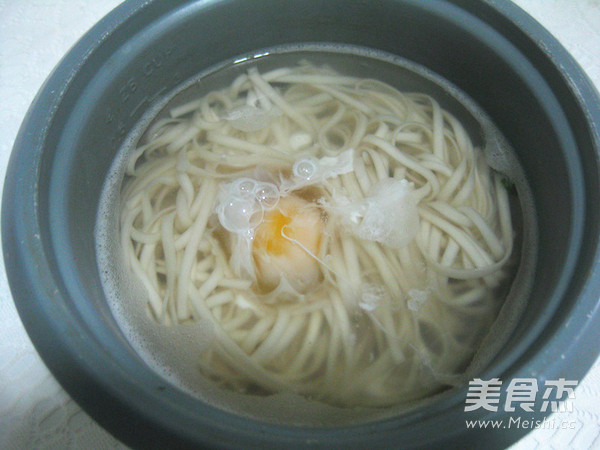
point(286, 244)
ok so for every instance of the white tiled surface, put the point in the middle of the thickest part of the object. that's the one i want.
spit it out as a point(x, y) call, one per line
point(34, 410)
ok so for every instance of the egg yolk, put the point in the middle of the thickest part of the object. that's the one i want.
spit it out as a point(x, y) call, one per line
point(286, 243)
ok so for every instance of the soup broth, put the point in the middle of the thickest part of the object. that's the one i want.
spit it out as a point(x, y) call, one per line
point(316, 235)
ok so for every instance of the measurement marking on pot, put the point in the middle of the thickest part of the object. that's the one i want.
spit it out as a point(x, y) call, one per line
point(157, 94)
point(138, 106)
point(137, 87)
point(156, 61)
point(128, 89)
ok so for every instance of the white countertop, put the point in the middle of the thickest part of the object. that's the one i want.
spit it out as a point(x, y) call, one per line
point(35, 412)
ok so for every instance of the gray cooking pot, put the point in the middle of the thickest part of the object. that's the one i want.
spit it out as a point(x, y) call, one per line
point(526, 82)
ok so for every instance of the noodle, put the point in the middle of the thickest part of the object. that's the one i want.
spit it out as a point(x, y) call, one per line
point(344, 240)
